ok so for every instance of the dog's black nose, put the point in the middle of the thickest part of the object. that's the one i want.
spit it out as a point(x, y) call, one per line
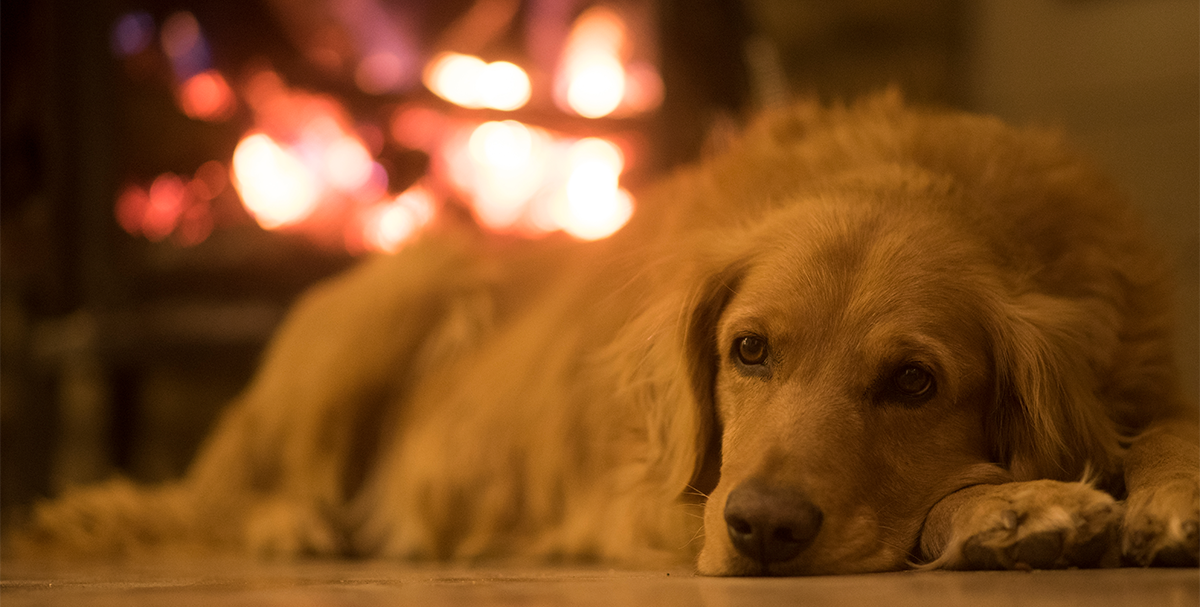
point(770, 524)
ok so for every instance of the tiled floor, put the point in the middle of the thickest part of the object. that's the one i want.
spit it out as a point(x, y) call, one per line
point(235, 583)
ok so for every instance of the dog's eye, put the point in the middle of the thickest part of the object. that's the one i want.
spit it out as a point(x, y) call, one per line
point(912, 382)
point(751, 350)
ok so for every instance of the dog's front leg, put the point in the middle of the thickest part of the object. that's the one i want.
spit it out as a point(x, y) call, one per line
point(1023, 525)
point(1162, 515)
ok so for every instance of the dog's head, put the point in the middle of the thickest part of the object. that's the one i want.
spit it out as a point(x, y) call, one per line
point(855, 362)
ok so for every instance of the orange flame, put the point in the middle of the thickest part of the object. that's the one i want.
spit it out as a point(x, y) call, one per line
point(274, 185)
point(207, 96)
point(389, 225)
point(592, 77)
point(468, 81)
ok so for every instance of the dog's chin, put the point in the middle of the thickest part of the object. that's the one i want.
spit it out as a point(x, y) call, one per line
point(723, 561)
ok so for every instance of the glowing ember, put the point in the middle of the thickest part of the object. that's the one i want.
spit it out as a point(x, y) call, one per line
point(502, 145)
point(453, 77)
point(594, 150)
point(643, 88)
point(168, 199)
point(274, 185)
point(418, 128)
point(213, 176)
point(597, 86)
point(379, 73)
point(195, 225)
point(172, 206)
point(348, 164)
point(593, 206)
point(592, 78)
point(470, 82)
point(388, 226)
point(503, 86)
point(501, 166)
point(207, 96)
point(131, 208)
point(594, 214)
point(325, 163)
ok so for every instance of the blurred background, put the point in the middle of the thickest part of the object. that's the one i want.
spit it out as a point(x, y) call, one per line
point(175, 172)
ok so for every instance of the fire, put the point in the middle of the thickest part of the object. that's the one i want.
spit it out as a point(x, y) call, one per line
point(470, 82)
point(308, 163)
point(379, 73)
point(503, 86)
point(172, 206)
point(521, 178)
point(501, 167)
point(305, 156)
point(592, 77)
point(347, 164)
point(206, 96)
point(593, 206)
point(274, 185)
point(389, 225)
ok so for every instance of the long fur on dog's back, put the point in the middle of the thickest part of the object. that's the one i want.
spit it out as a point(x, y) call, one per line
point(469, 398)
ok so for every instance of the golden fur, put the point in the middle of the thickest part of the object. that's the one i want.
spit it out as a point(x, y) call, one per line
point(473, 398)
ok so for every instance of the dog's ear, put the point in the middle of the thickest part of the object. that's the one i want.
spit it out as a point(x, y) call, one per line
point(1050, 353)
point(664, 366)
point(702, 351)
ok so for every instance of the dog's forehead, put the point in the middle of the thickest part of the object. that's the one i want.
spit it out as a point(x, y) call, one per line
point(864, 267)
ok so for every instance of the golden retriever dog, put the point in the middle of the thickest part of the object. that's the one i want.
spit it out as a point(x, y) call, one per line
point(862, 338)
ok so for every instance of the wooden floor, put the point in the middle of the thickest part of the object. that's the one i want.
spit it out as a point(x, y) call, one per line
point(233, 583)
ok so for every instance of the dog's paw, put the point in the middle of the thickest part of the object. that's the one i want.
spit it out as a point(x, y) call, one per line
point(1037, 525)
point(1162, 526)
point(278, 528)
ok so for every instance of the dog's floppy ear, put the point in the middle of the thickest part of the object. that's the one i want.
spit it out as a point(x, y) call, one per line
point(1049, 354)
point(701, 351)
point(665, 366)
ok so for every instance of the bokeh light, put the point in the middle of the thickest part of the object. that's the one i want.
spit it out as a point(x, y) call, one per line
point(454, 77)
point(379, 73)
point(207, 96)
point(183, 42)
point(470, 82)
point(501, 166)
point(214, 177)
point(131, 208)
point(592, 205)
point(388, 226)
point(591, 80)
point(306, 163)
point(597, 84)
point(132, 33)
point(274, 185)
point(348, 164)
point(180, 34)
point(502, 145)
point(503, 86)
point(168, 199)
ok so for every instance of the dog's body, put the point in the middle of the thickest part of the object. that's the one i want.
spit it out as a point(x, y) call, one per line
point(860, 338)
